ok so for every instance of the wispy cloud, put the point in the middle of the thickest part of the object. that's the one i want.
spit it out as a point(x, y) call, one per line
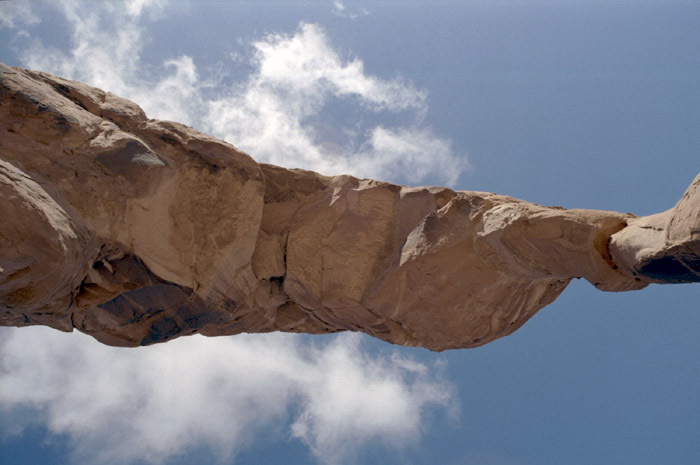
point(341, 10)
point(106, 44)
point(279, 114)
point(17, 16)
point(122, 405)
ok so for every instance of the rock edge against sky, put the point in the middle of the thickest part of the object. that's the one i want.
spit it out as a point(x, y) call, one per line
point(137, 231)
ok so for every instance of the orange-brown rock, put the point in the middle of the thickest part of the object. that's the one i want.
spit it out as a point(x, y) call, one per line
point(136, 231)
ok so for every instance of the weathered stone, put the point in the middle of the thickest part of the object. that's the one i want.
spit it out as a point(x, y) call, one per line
point(663, 248)
point(137, 231)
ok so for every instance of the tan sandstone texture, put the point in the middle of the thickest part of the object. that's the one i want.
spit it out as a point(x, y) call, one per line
point(137, 231)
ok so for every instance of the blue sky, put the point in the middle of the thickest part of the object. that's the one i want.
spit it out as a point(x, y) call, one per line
point(578, 104)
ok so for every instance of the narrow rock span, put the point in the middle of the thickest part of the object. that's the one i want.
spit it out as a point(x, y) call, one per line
point(137, 231)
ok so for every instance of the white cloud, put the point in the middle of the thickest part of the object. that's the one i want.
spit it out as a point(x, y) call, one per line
point(305, 64)
point(137, 7)
point(341, 10)
point(354, 398)
point(105, 47)
point(278, 114)
point(121, 405)
point(17, 16)
point(412, 151)
point(105, 52)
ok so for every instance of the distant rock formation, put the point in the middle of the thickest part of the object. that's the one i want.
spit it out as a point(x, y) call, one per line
point(137, 231)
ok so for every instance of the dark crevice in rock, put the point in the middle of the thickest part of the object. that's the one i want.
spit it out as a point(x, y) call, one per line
point(676, 266)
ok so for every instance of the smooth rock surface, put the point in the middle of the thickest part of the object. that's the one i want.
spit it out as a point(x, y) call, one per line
point(137, 231)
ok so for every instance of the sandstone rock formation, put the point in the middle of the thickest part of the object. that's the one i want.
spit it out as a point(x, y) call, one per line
point(137, 231)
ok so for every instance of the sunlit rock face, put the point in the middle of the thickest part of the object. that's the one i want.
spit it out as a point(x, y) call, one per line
point(137, 231)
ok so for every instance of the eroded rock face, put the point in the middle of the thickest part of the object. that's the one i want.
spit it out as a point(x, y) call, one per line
point(137, 231)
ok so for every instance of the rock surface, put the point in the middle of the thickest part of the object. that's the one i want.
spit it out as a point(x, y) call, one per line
point(137, 231)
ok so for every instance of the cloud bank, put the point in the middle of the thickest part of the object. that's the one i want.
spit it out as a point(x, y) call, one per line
point(122, 405)
point(279, 114)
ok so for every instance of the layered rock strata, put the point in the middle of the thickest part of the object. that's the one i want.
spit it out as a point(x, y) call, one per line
point(137, 231)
